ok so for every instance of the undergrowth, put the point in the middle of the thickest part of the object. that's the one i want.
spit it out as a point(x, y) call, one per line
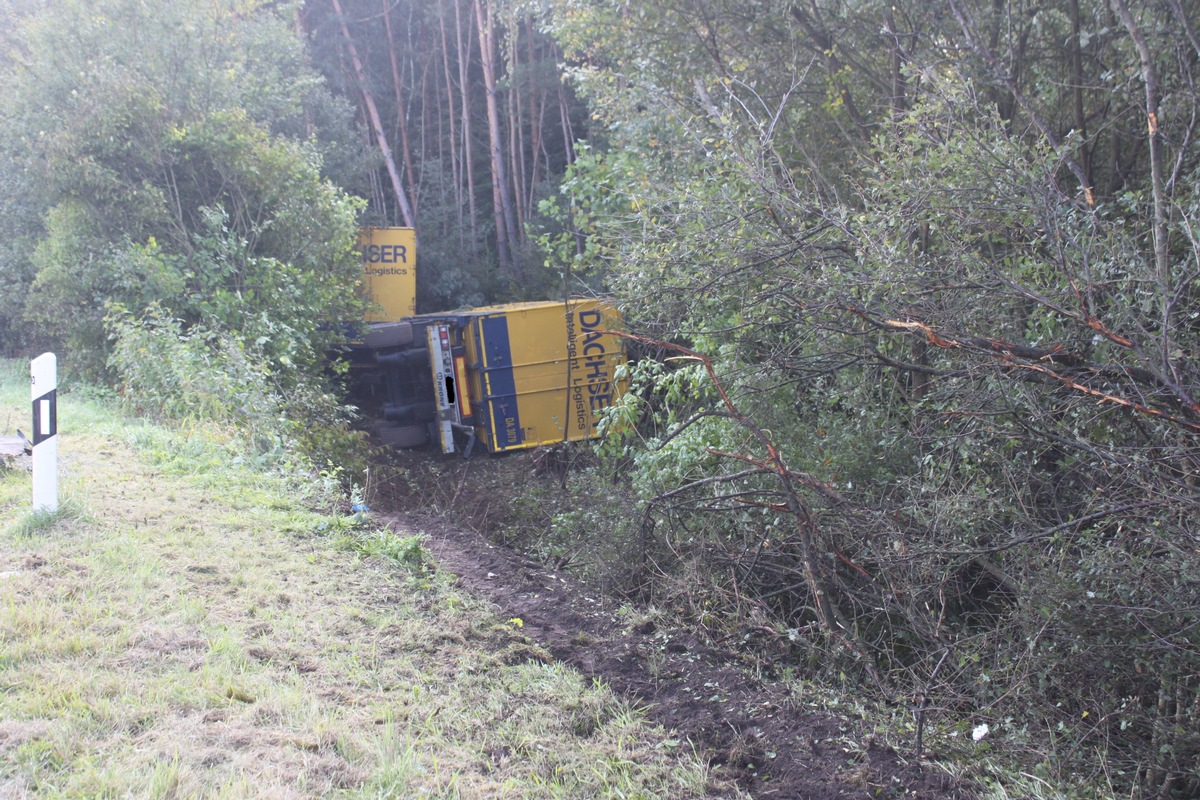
point(569, 510)
point(206, 378)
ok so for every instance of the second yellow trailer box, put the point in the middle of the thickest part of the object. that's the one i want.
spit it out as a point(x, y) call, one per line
point(535, 374)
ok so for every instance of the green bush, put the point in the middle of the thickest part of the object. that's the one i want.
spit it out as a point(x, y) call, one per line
point(207, 376)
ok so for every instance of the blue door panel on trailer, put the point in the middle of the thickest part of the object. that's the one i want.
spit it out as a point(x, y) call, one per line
point(499, 382)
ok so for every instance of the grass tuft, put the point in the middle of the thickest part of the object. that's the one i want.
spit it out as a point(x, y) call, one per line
point(43, 521)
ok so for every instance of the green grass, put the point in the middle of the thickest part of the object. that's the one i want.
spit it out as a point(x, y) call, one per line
point(188, 627)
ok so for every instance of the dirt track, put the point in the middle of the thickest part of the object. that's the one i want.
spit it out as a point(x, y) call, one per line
point(752, 729)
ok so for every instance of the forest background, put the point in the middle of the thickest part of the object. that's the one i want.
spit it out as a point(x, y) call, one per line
point(913, 286)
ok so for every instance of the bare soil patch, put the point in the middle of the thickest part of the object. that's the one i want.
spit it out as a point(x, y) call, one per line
point(752, 729)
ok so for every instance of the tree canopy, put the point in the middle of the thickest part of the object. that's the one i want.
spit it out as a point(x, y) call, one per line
point(172, 154)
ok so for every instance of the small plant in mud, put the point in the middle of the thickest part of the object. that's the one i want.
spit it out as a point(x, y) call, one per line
point(408, 551)
point(357, 535)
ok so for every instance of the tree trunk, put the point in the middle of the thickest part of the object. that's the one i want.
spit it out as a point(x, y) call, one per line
point(506, 226)
point(1162, 263)
point(401, 111)
point(516, 138)
point(1085, 156)
point(455, 171)
point(899, 99)
point(537, 122)
point(464, 61)
point(376, 123)
point(564, 116)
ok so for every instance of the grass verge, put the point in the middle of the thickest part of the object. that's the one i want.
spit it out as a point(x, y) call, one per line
point(188, 627)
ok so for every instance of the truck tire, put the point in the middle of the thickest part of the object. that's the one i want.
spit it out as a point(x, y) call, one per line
point(403, 436)
point(389, 334)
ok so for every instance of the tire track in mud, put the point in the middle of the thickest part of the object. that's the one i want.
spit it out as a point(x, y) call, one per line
point(749, 728)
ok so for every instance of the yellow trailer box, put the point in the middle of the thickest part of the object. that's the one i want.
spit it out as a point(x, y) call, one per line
point(540, 372)
point(389, 272)
point(535, 373)
point(510, 376)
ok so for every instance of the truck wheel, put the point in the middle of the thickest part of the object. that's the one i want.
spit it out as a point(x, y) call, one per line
point(403, 435)
point(390, 334)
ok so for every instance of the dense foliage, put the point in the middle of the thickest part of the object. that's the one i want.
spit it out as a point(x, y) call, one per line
point(931, 269)
point(169, 156)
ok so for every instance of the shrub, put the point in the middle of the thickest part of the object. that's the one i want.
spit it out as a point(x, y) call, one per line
point(208, 376)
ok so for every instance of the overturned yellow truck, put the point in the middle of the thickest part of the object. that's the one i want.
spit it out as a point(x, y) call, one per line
point(506, 377)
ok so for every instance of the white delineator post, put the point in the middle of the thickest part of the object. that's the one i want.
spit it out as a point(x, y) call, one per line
point(43, 375)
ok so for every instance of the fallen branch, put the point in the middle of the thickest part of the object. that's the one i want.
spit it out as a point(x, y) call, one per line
point(1030, 359)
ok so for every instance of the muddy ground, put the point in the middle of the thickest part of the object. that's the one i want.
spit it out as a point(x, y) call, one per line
point(750, 728)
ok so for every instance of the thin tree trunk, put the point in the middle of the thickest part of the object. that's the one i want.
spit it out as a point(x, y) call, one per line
point(501, 195)
point(401, 110)
point(537, 118)
point(1162, 262)
point(376, 123)
point(464, 62)
point(436, 110)
point(541, 156)
point(456, 177)
point(428, 109)
point(564, 116)
point(1085, 156)
point(516, 138)
point(1185, 21)
point(899, 99)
